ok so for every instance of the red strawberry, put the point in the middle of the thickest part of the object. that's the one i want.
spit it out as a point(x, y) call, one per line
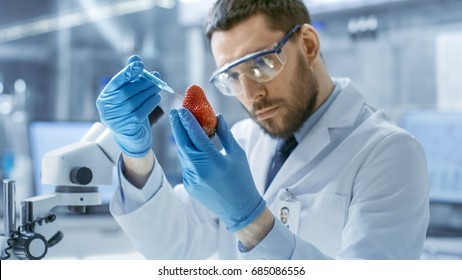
point(196, 102)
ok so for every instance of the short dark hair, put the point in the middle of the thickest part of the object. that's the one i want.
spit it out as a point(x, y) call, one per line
point(280, 14)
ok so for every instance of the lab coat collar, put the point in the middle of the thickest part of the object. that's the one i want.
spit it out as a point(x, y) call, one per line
point(345, 109)
point(342, 113)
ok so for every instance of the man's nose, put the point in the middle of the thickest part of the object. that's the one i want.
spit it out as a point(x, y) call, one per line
point(252, 90)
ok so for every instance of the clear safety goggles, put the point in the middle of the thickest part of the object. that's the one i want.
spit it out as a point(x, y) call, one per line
point(260, 66)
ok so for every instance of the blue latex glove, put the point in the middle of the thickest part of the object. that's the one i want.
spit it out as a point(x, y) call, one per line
point(221, 182)
point(124, 106)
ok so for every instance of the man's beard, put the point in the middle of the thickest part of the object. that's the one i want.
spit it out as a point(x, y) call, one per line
point(293, 111)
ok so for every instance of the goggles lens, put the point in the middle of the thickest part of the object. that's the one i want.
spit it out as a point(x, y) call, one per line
point(261, 67)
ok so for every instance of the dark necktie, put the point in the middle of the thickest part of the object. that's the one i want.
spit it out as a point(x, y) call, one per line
point(283, 150)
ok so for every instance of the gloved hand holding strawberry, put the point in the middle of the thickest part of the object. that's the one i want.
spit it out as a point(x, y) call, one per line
point(196, 102)
point(221, 182)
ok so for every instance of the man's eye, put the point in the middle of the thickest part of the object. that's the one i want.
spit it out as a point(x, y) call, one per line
point(264, 61)
point(233, 76)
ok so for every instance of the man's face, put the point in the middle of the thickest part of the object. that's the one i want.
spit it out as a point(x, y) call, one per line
point(284, 215)
point(281, 105)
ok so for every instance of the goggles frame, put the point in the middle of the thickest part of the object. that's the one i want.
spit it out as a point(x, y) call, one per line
point(277, 49)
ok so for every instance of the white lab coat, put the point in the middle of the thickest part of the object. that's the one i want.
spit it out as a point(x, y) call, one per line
point(361, 180)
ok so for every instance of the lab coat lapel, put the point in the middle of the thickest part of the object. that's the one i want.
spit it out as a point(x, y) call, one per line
point(342, 113)
point(306, 150)
point(262, 157)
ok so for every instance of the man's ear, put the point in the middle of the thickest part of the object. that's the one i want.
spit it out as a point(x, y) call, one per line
point(311, 43)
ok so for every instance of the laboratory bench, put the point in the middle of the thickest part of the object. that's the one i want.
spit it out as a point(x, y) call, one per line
point(100, 237)
point(442, 248)
point(92, 237)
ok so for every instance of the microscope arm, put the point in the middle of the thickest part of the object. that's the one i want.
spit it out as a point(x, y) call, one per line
point(76, 171)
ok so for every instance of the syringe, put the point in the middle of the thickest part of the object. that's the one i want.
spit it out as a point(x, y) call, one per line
point(159, 83)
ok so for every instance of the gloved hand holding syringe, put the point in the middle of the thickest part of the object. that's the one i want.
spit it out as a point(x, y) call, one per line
point(159, 83)
point(125, 103)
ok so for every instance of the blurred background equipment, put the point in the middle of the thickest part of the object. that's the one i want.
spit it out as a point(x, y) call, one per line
point(75, 170)
point(440, 133)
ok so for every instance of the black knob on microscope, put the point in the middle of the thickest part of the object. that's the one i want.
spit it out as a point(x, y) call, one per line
point(81, 175)
point(30, 246)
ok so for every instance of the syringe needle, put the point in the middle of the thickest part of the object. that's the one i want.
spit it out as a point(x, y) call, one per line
point(169, 89)
point(159, 83)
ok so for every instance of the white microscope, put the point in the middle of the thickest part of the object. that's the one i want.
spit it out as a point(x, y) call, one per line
point(76, 171)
